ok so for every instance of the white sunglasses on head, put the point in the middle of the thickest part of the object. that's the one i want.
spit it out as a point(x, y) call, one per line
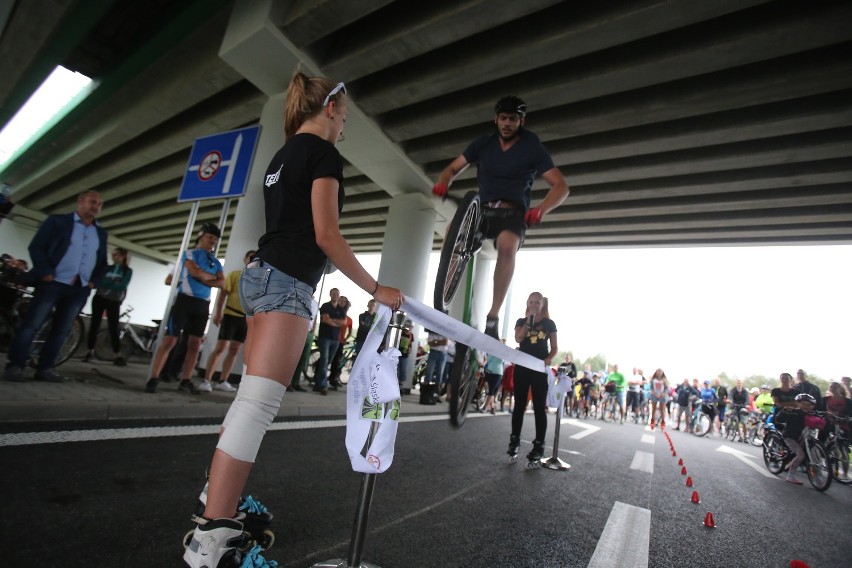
point(340, 87)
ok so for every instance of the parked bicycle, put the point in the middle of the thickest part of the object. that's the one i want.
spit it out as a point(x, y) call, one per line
point(838, 447)
point(17, 302)
point(132, 339)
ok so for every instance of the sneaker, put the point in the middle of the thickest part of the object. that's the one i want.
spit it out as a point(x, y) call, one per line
point(50, 376)
point(297, 388)
point(218, 542)
point(491, 327)
point(205, 386)
point(14, 374)
point(793, 480)
point(119, 361)
point(225, 386)
point(151, 385)
point(187, 386)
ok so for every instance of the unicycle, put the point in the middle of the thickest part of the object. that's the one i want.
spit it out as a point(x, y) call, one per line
point(461, 243)
point(462, 383)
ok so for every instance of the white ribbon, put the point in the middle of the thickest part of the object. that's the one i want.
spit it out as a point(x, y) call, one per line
point(372, 397)
point(440, 322)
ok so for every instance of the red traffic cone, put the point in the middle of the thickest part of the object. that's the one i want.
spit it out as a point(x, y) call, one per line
point(683, 470)
point(798, 564)
point(695, 498)
point(674, 453)
point(709, 521)
point(680, 461)
point(689, 481)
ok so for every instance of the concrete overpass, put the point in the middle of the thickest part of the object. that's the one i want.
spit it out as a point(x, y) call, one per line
point(675, 122)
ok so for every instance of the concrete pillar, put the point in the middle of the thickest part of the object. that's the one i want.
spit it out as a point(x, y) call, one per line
point(405, 253)
point(249, 220)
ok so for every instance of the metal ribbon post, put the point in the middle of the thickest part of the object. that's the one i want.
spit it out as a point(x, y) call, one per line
point(368, 482)
point(554, 462)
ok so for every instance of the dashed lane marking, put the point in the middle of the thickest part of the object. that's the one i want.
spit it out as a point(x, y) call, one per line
point(643, 461)
point(648, 439)
point(57, 437)
point(625, 538)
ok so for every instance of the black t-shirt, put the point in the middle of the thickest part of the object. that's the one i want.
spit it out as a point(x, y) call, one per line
point(365, 322)
point(334, 312)
point(721, 395)
point(585, 385)
point(535, 342)
point(739, 397)
point(782, 396)
point(509, 174)
point(290, 242)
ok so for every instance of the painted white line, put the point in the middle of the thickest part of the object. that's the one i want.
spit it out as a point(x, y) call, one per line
point(744, 457)
point(648, 439)
point(588, 429)
point(643, 461)
point(625, 538)
point(32, 438)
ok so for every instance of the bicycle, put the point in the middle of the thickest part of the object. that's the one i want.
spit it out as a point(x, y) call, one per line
point(609, 407)
point(10, 317)
point(130, 341)
point(777, 456)
point(838, 447)
point(702, 419)
point(733, 422)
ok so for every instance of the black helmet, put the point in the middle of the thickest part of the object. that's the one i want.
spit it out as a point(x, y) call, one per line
point(210, 229)
point(805, 397)
point(511, 104)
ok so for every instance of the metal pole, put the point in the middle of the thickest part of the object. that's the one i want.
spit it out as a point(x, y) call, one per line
point(554, 462)
point(187, 235)
point(368, 483)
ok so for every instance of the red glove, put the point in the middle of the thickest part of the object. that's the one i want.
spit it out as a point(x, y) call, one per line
point(439, 190)
point(533, 216)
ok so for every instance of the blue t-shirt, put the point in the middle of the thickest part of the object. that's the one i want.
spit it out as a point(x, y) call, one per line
point(207, 262)
point(508, 175)
point(708, 395)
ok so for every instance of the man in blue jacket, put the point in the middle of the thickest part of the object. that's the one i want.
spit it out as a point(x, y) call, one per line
point(69, 255)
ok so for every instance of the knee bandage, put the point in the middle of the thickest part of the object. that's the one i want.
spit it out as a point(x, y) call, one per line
point(230, 410)
point(256, 405)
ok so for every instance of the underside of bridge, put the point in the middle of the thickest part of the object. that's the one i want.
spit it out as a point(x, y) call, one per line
point(675, 122)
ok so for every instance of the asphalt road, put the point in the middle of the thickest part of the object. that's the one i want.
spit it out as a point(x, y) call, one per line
point(451, 499)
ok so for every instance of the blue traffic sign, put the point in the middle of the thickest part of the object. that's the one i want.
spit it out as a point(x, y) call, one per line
point(219, 165)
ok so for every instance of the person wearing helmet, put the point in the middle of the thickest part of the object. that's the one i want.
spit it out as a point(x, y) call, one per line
point(794, 424)
point(507, 163)
point(200, 272)
point(763, 401)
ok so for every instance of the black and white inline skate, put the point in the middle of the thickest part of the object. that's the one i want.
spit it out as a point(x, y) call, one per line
point(514, 445)
point(223, 543)
point(535, 455)
point(251, 513)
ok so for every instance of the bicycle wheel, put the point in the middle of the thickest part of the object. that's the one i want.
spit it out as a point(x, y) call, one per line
point(462, 384)
point(609, 410)
point(72, 341)
point(774, 450)
point(458, 249)
point(839, 454)
point(311, 367)
point(759, 432)
point(819, 467)
point(702, 425)
point(7, 329)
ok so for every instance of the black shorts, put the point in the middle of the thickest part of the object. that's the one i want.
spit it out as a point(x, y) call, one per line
point(496, 220)
point(188, 315)
point(233, 328)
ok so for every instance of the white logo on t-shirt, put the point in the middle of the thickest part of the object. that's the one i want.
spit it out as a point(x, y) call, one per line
point(270, 180)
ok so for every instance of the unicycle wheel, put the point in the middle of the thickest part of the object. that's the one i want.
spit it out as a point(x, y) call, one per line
point(462, 384)
point(460, 245)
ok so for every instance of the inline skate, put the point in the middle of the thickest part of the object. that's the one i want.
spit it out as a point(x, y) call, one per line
point(251, 513)
point(222, 543)
point(514, 445)
point(535, 455)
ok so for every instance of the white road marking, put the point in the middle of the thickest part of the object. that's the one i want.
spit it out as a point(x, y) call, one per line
point(648, 439)
point(744, 457)
point(643, 461)
point(625, 539)
point(588, 429)
point(56, 437)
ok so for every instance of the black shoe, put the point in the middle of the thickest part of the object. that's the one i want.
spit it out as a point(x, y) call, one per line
point(119, 361)
point(491, 328)
point(187, 386)
point(404, 391)
point(50, 376)
point(151, 385)
point(297, 388)
point(290, 389)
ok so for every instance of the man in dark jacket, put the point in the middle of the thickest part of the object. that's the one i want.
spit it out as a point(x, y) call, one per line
point(69, 255)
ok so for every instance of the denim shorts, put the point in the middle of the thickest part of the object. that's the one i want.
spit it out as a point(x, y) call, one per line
point(264, 288)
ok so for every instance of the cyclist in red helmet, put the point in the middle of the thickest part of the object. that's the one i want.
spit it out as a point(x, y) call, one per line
point(507, 161)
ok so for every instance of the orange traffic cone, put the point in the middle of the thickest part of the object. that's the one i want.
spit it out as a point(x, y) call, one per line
point(680, 461)
point(798, 564)
point(695, 498)
point(689, 482)
point(683, 470)
point(709, 521)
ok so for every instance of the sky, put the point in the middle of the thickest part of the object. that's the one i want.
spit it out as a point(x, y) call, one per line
point(694, 312)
